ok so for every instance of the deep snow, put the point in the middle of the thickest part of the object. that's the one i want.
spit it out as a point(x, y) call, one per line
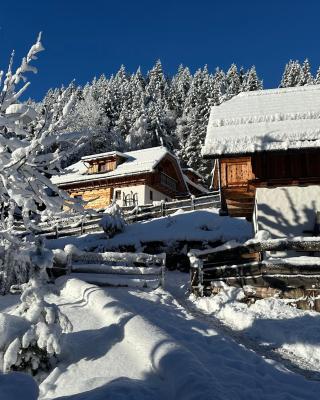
point(130, 344)
point(200, 225)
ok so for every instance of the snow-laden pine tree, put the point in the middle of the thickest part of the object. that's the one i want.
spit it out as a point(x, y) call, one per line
point(219, 87)
point(26, 140)
point(233, 83)
point(317, 78)
point(251, 81)
point(178, 90)
point(191, 127)
point(157, 110)
point(27, 162)
point(305, 77)
point(291, 75)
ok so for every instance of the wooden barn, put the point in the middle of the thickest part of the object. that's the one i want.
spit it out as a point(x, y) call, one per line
point(264, 139)
point(133, 178)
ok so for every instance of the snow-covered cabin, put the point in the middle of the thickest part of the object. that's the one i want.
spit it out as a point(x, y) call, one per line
point(267, 138)
point(134, 178)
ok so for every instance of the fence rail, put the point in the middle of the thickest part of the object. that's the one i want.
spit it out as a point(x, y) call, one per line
point(89, 223)
point(242, 265)
point(116, 269)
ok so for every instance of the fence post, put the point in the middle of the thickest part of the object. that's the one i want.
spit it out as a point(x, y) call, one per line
point(192, 202)
point(81, 227)
point(163, 270)
point(163, 208)
point(200, 274)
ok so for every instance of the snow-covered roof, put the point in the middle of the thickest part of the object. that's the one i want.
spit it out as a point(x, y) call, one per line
point(193, 171)
point(198, 186)
point(265, 120)
point(137, 162)
point(103, 155)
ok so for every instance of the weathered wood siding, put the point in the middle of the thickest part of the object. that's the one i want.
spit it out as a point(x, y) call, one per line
point(102, 166)
point(238, 198)
point(240, 176)
point(169, 167)
point(288, 167)
point(98, 197)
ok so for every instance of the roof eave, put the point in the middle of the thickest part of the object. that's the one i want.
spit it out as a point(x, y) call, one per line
point(230, 154)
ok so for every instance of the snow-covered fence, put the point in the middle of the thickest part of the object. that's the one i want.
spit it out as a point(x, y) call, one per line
point(242, 265)
point(117, 269)
point(163, 208)
point(60, 227)
point(80, 224)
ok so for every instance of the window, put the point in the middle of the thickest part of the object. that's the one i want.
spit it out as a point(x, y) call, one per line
point(117, 195)
point(102, 167)
point(151, 195)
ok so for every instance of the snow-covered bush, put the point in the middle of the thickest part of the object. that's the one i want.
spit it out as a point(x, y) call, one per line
point(112, 221)
point(36, 349)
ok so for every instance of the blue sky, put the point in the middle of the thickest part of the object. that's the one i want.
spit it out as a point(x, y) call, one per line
point(85, 38)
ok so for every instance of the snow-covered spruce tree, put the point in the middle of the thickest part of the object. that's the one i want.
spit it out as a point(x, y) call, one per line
point(28, 158)
point(291, 75)
point(251, 81)
point(233, 83)
point(317, 78)
point(158, 113)
point(192, 125)
point(306, 77)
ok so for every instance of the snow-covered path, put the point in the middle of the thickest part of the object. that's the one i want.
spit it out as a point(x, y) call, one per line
point(129, 344)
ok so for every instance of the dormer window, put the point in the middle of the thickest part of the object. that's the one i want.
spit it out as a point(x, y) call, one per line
point(105, 162)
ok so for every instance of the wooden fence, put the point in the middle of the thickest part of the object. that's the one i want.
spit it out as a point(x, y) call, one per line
point(116, 269)
point(74, 225)
point(243, 265)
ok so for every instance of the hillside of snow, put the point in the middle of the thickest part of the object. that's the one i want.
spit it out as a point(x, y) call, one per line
point(200, 225)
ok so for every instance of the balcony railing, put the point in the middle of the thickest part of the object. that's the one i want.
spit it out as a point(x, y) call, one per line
point(167, 181)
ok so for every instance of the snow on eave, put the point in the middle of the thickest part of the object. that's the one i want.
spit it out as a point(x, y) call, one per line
point(97, 177)
point(266, 120)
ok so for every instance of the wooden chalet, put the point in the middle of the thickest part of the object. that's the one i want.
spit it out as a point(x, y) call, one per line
point(133, 178)
point(264, 139)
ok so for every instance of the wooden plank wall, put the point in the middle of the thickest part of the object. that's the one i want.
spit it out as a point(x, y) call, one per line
point(238, 198)
point(97, 197)
point(240, 176)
